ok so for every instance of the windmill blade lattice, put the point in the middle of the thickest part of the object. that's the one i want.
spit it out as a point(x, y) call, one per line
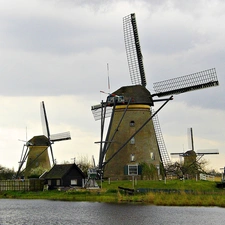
point(133, 50)
point(195, 81)
point(161, 143)
point(54, 137)
point(60, 136)
point(97, 112)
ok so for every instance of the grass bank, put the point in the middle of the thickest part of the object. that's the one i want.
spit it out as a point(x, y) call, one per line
point(171, 193)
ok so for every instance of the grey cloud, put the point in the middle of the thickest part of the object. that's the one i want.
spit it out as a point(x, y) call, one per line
point(52, 35)
point(56, 56)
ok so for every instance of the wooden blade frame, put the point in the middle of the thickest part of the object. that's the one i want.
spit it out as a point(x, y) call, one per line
point(133, 50)
point(97, 111)
point(195, 81)
point(45, 127)
point(44, 120)
point(190, 139)
point(54, 137)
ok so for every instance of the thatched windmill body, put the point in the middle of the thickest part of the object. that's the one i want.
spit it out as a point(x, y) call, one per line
point(131, 136)
point(35, 151)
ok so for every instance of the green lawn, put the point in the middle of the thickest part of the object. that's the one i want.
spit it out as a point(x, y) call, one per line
point(198, 186)
point(171, 193)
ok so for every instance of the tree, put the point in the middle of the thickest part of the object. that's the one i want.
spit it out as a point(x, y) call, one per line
point(36, 172)
point(84, 164)
point(148, 172)
point(189, 169)
point(6, 173)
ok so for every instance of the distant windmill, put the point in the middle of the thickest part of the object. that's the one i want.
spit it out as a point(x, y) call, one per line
point(192, 157)
point(35, 152)
point(191, 154)
point(131, 136)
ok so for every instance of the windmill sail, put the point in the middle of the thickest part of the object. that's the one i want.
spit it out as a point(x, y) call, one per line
point(161, 143)
point(46, 131)
point(133, 50)
point(97, 111)
point(190, 138)
point(195, 81)
point(44, 120)
point(60, 136)
point(54, 137)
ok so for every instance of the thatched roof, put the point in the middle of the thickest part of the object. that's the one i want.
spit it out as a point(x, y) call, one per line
point(39, 141)
point(138, 94)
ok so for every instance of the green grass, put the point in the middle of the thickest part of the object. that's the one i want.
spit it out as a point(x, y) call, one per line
point(184, 193)
point(202, 186)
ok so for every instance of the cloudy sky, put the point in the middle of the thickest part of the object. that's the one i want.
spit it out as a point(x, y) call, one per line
point(57, 51)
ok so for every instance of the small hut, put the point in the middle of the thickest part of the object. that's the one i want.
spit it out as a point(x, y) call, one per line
point(64, 175)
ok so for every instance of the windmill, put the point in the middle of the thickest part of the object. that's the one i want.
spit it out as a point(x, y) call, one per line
point(192, 157)
point(131, 135)
point(35, 151)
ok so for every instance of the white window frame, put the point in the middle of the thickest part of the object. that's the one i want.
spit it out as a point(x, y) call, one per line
point(73, 181)
point(58, 183)
point(134, 168)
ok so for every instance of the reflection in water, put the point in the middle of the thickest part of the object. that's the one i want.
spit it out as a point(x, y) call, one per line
point(59, 212)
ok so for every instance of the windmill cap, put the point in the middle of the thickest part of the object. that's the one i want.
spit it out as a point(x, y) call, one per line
point(40, 140)
point(138, 94)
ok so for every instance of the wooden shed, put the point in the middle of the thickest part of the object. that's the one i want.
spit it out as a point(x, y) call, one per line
point(64, 175)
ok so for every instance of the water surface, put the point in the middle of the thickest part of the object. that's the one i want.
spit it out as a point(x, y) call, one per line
point(60, 212)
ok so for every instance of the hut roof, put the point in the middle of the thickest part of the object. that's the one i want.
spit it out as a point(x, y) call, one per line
point(60, 170)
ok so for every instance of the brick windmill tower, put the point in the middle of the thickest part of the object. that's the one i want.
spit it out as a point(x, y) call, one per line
point(131, 135)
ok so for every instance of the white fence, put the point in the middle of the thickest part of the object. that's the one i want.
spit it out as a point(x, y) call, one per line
point(206, 177)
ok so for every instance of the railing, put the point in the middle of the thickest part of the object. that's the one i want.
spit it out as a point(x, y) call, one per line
point(22, 185)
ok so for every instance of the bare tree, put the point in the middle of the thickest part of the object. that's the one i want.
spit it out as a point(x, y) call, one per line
point(84, 164)
point(188, 170)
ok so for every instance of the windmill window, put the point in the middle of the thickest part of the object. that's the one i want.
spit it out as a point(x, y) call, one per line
point(132, 158)
point(132, 141)
point(152, 155)
point(132, 123)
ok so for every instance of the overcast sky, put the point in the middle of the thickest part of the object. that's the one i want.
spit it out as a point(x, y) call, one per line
point(57, 51)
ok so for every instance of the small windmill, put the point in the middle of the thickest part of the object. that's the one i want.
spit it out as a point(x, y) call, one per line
point(131, 136)
point(192, 157)
point(35, 151)
point(191, 150)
